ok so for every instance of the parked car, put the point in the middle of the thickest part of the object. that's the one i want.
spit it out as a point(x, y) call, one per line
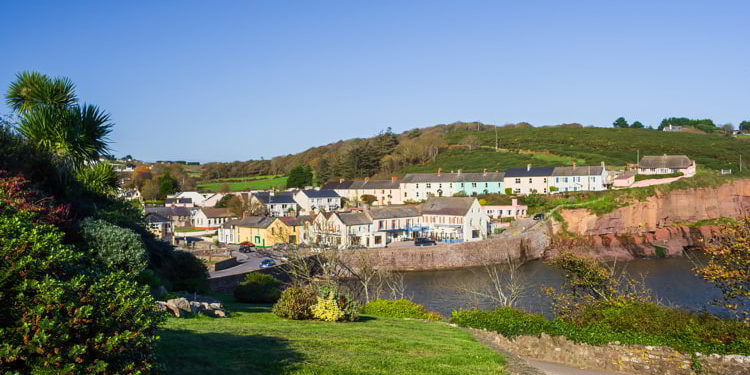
point(265, 263)
point(539, 216)
point(424, 242)
point(246, 249)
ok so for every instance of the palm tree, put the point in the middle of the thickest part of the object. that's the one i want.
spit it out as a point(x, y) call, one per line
point(52, 120)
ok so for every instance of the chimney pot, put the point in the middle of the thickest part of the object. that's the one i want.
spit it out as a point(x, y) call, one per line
point(459, 172)
point(393, 179)
point(341, 180)
point(484, 173)
point(440, 172)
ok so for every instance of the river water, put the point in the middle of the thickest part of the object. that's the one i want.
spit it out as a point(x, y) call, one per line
point(670, 280)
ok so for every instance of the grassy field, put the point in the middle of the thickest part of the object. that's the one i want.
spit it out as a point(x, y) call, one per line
point(239, 179)
point(270, 183)
point(476, 160)
point(254, 341)
point(612, 146)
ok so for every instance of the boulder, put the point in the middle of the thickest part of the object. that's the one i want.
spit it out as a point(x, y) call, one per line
point(182, 304)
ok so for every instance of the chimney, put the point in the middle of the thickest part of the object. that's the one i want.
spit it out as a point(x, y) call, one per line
point(271, 193)
point(528, 167)
point(459, 172)
point(393, 179)
point(440, 172)
point(574, 165)
point(514, 202)
point(484, 173)
point(341, 180)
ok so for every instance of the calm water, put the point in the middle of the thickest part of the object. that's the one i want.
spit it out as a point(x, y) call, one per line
point(670, 280)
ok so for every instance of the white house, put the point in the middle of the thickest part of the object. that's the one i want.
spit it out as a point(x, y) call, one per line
point(528, 180)
point(455, 219)
point(421, 186)
point(578, 178)
point(500, 211)
point(311, 201)
point(277, 203)
point(196, 197)
point(399, 223)
point(211, 218)
point(667, 164)
point(211, 200)
point(160, 226)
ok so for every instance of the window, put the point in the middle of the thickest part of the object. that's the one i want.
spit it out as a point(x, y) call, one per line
point(545, 180)
point(417, 185)
point(417, 194)
point(499, 184)
point(486, 185)
point(474, 233)
point(530, 181)
point(518, 180)
point(429, 186)
point(557, 180)
point(405, 195)
point(565, 179)
point(517, 191)
point(462, 184)
point(473, 184)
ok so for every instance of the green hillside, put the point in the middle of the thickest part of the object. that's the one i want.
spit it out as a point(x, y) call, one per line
point(612, 146)
point(272, 182)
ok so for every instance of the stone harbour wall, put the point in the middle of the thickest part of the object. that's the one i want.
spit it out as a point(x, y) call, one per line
point(633, 359)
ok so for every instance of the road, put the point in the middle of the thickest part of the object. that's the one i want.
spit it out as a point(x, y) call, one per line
point(248, 262)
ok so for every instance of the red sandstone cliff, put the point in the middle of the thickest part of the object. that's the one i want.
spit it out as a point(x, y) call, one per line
point(640, 228)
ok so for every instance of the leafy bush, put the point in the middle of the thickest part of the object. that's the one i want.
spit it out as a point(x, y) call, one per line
point(258, 288)
point(118, 247)
point(295, 303)
point(63, 311)
point(504, 320)
point(188, 272)
point(333, 306)
point(400, 308)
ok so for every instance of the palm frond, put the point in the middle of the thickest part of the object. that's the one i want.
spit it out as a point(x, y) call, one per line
point(100, 178)
point(32, 89)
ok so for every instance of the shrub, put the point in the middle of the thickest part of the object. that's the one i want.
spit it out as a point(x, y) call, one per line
point(63, 311)
point(258, 288)
point(504, 320)
point(295, 303)
point(508, 191)
point(333, 306)
point(400, 308)
point(188, 272)
point(118, 247)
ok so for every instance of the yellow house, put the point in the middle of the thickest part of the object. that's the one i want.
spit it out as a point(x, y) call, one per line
point(263, 231)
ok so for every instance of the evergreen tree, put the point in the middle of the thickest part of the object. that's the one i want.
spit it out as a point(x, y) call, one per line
point(745, 126)
point(637, 125)
point(325, 171)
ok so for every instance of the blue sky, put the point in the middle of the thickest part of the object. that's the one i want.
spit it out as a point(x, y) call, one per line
point(212, 80)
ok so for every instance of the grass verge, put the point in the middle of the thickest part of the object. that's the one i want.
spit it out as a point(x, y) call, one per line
point(254, 341)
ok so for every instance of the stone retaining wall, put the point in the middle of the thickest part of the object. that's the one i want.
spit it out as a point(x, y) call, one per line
point(634, 359)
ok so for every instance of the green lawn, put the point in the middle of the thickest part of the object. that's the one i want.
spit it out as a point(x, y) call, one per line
point(254, 341)
point(187, 230)
point(271, 183)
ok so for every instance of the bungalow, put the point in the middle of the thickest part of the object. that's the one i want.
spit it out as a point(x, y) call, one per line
point(311, 200)
point(575, 178)
point(421, 186)
point(455, 219)
point(513, 210)
point(528, 180)
point(277, 203)
point(160, 226)
point(211, 218)
point(196, 197)
point(667, 164)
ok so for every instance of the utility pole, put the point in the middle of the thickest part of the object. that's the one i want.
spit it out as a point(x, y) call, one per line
point(638, 158)
point(496, 144)
point(740, 163)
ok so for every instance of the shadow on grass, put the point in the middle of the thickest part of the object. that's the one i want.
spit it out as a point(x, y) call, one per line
point(187, 352)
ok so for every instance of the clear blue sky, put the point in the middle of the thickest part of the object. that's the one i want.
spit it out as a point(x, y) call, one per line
point(212, 80)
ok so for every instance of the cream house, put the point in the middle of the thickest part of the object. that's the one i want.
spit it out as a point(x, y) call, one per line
point(528, 180)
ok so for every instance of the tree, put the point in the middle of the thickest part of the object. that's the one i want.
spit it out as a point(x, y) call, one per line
point(727, 128)
point(745, 126)
point(620, 123)
point(728, 267)
point(224, 188)
point(325, 171)
point(472, 141)
point(637, 125)
point(224, 201)
point(52, 120)
point(167, 185)
point(150, 190)
point(368, 199)
point(299, 177)
point(100, 178)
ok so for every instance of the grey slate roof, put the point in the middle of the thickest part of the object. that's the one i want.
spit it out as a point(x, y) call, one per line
point(453, 177)
point(216, 212)
point(526, 172)
point(583, 170)
point(666, 161)
point(360, 184)
point(178, 200)
point(312, 193)
point(454, 206)
point(353, 218)
point(393, 212)
point(152, 217)
point(250, 222)
point(279, 197)
point(169, 211)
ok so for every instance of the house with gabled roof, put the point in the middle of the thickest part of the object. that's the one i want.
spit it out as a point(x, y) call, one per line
point(455, 219)
point(528, 180)
point(667, 164)
point(311, 201)
point(579, 178)
point(277, 203)
point(421, 186)
point(160, 226)
point(211, 217)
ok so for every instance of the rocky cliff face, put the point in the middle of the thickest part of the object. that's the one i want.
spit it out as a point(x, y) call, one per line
point(650, 228)
point(729, 200)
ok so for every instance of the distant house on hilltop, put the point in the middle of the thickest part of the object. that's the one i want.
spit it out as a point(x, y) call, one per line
point(667, 164)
